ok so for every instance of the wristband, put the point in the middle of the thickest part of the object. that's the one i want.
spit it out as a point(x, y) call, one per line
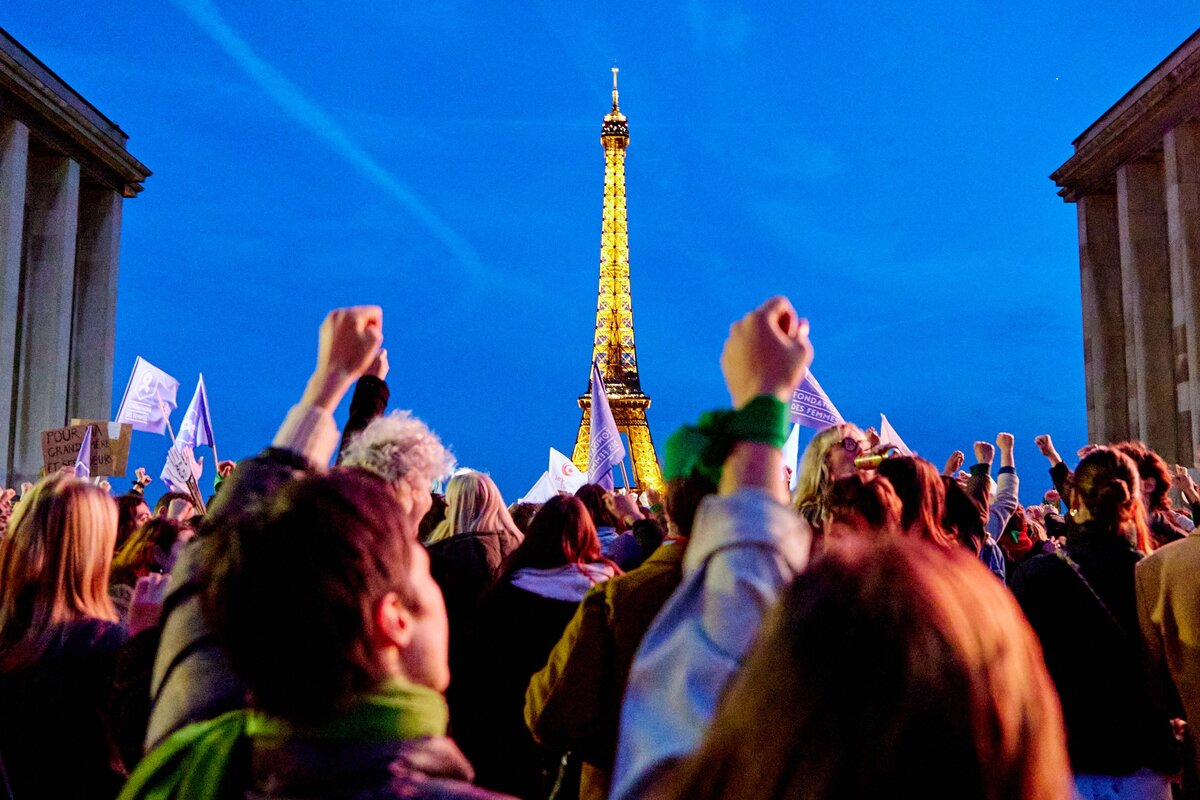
point(702, 448)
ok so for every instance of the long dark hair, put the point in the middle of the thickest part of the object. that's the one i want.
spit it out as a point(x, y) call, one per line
point(1106, 484)
point(560, 533)
point(923, 496)
point(592, 496)
point(890, 667)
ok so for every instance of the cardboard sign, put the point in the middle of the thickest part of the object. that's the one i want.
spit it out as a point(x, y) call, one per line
point(110, 447)
point(117, 435)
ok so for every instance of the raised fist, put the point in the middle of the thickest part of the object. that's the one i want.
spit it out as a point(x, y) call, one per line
point(984, 453)
point(767, 352)
point(349, 341)
point(955, 461)
point(1004, 441)
point(379, 367)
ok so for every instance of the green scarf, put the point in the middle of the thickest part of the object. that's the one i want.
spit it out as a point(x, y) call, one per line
point(194, 762)
point(702, 448)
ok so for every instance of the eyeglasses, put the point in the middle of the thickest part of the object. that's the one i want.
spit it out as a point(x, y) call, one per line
point(851, 445)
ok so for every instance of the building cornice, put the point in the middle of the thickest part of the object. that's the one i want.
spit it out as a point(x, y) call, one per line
point(1135, 125)
point(61, 117)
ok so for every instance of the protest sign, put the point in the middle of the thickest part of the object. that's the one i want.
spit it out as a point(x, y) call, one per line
point(115, 436)
point(60, 448)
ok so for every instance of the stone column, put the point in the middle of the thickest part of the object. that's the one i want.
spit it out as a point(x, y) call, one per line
point(1146, 295)
point(1103, 319)
point(97, 249)
point(14, 152)
point(1181, 157)
point(44, 347)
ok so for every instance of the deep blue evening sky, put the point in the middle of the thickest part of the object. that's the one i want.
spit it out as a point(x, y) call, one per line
point(882, 166)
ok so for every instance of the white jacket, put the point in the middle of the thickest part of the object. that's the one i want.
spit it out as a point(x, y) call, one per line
point(745, 548)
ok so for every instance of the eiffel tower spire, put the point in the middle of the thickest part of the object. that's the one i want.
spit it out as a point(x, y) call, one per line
point(613, 347)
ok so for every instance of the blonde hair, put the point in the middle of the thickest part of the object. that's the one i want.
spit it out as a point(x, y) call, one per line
point(473, 503)
point(54, 565)
point(814, 477)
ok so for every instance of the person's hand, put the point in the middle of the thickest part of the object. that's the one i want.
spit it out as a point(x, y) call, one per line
point(104, 484)
point(767, 352)
point(1182, 480)
point(1052, 497)
point(955, 461)
point(348, 342)
point(379, 367)
point(1004, 443)
point(984, 453)
point(226, 468)
point(6, 499)
point(141, 478)
point(624, 507)
point(145, 609)
point(654, 499)
point(26, 488)
point(1037, 513)
point(872, 438)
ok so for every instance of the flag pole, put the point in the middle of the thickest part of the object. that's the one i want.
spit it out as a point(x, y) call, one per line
point(624, 474)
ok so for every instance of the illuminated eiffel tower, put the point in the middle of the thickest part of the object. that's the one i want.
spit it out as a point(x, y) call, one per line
point(613, 350)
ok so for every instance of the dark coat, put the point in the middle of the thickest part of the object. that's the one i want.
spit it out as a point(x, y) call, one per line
point(516, 632)
point(53, 734)
point(1094, 655)
point(421, 769)
point(574, 702)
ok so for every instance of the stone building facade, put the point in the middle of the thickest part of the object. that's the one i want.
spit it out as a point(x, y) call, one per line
point(64, 173)
point(1135, 181)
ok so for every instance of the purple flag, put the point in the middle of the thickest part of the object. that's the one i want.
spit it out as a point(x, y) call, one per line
point(196, 428)
point(811, 406)
point(83, 461)
point(605, 448)
point(148, 392)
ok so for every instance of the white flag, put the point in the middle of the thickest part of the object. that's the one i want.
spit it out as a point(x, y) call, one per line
point(542, 491)
point(564, 475)
point(888, 435)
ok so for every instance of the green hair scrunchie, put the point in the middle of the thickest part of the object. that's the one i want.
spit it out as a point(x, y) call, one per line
point(702, 448)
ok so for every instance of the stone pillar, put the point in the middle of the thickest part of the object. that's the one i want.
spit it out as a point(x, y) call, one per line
point(1103, 319)
point(14, 152)
point(44, 348)
point(1146, 297)
point(94, 319)
point(1181, 158)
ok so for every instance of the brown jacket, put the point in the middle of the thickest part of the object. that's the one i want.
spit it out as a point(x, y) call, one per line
point(574, 702)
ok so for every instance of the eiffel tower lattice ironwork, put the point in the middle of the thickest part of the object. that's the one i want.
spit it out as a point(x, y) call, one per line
point(613, 349)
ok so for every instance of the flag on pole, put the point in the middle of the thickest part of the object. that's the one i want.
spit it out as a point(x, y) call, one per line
point(811, 406)
point(605, 448)
point(197, 428)
point(83, 461)
point(791, 454)
point(541, 491)
point(564, 476)
point(888, 435)
point(149, 390)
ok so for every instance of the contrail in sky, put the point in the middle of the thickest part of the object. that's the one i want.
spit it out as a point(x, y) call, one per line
point(300, 108)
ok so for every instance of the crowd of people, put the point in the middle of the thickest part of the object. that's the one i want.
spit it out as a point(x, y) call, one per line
point(329, 627)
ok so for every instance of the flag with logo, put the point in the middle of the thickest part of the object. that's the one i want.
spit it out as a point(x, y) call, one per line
point(197, 428)
point(83, 461)
point(564, 475)
point(148, 394)
point(181, 468)
point(605, 448)
point(811, 406)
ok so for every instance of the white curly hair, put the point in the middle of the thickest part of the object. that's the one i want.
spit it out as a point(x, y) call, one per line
point(397, 444)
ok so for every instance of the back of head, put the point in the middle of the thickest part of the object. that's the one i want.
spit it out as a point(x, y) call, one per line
point(964, 517)
point(889, 668)
point(1105, 483)
point(127, 515)
point(922, 494)
point(1150, 467)
point(397, 445)
point(592, 496)
point(54, 565)
point(292, 597)
point(474, 505)
point(137, 556)
point(522, 514)
point(683, 499)
point(560, 533)
point(857, 499)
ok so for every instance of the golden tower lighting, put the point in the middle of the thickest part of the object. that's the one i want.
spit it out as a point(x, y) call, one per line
point(613, 349)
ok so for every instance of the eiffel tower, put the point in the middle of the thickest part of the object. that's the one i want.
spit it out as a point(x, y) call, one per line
point(613, 349)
